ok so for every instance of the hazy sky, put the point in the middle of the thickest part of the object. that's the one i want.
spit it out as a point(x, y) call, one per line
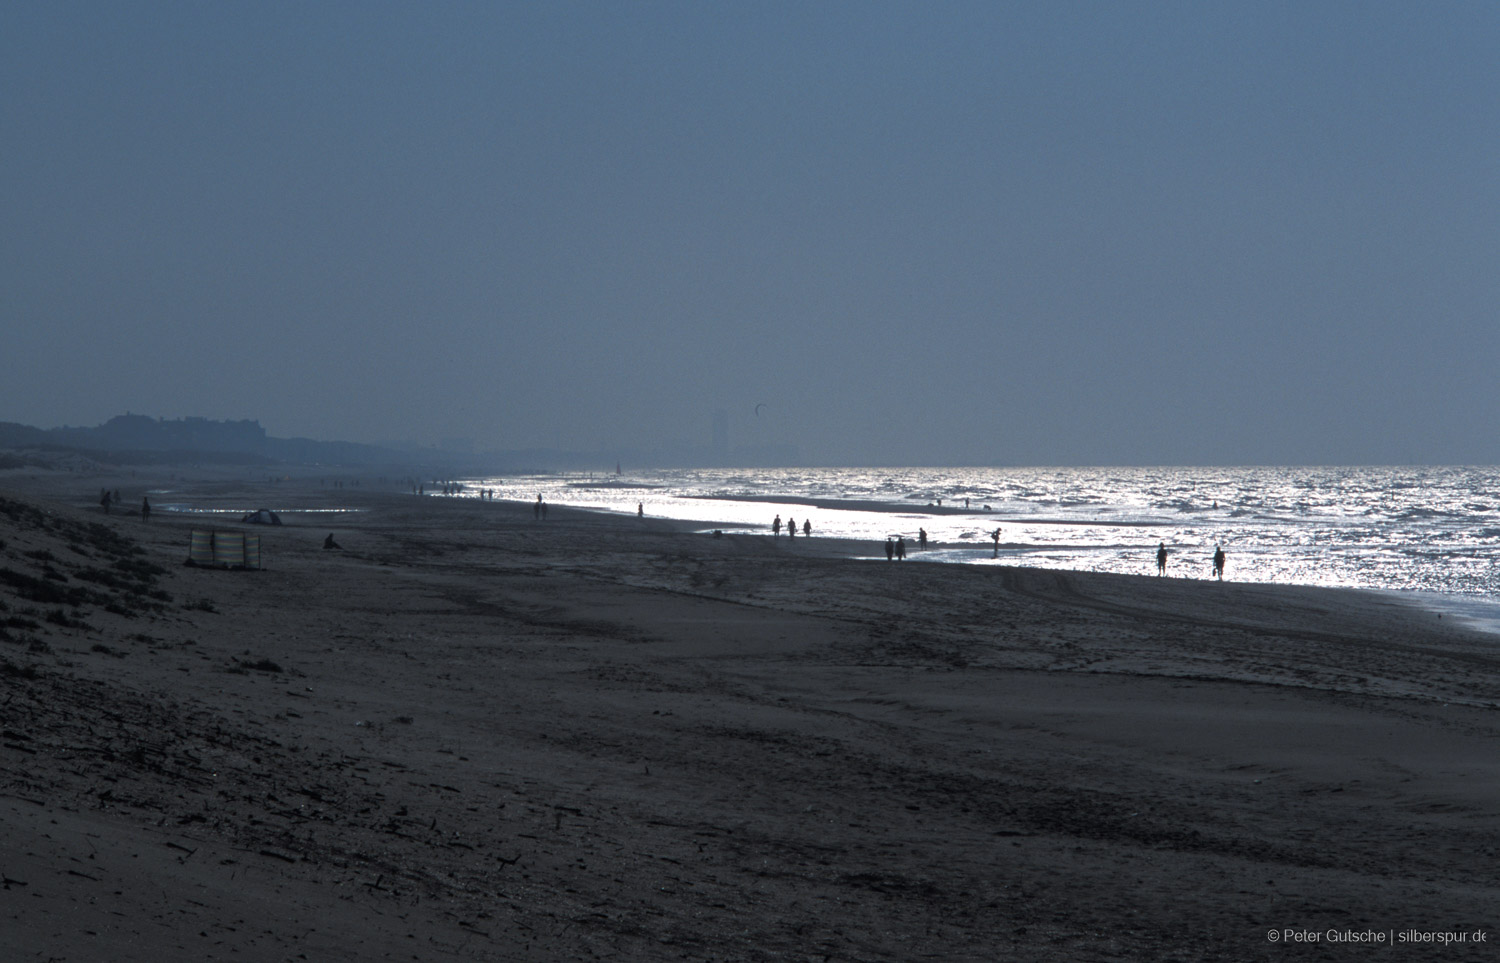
point(920, 233)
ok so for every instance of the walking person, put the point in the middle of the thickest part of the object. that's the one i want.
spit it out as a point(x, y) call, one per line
point(807, 528)
point(776, 526)
point(1219, 562)
point(890, 549)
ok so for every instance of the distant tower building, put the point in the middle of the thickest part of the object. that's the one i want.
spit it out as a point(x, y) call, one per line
point(721, 434)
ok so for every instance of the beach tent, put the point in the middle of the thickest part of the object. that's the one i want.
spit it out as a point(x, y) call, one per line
point(210, 549)
point(262, 517)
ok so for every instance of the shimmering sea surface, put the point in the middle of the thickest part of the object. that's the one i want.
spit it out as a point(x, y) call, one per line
point(1433, 533)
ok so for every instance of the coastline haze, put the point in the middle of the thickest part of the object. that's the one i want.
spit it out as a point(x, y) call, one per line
point(1053, 235)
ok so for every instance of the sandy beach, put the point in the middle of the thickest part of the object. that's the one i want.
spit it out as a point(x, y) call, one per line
point(473, 735)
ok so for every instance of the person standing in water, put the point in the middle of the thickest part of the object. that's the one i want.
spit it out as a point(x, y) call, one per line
point(1161, 559)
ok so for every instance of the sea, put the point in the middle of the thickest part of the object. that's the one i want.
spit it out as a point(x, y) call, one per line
point(1431, 534)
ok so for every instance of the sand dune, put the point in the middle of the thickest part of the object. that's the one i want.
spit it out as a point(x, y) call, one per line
point(472, 735)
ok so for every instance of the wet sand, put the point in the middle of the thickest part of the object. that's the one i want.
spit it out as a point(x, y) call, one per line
point(474, 735)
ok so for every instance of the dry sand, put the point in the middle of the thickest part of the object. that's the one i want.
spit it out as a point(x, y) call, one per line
point(475, 736)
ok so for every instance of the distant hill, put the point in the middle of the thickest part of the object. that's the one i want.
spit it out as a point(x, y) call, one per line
point(139, 439)
point(13, 435)
point(132, 439)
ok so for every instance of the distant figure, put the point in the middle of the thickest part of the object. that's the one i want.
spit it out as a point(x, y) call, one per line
point(890, 549)
point(921, 538)
point(806, 528)
point(966, 504)
point(996, 536)
point(791, 527)
point(536, 510)
point(1161, 559)
point(1219, 562)
point(330, 543)
point(145, 509)
point(640, 509)
point(105, 499)
point(776, 526)
point(901, 549)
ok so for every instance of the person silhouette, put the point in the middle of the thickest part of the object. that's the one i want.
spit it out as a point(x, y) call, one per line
point(996, 536)
point(791, 527)
point(890, 549)
point(145, 509)
point(1219, 562)
point(901, 549)
point(1161, 559)
point(776, 526)
point(806, 528)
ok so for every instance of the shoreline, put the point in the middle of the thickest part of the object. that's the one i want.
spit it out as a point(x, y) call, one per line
point(473, 734)
point(1482, 615)
point(894, 508)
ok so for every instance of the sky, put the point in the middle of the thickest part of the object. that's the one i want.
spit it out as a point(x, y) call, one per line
point(952, 233)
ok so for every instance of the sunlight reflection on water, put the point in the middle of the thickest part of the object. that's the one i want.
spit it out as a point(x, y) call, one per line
point(1430, 530)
